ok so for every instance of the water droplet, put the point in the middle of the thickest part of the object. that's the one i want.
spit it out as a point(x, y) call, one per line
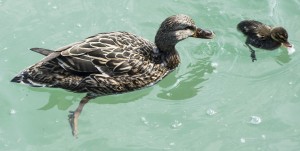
point(43, 42)
point(255, 120)
point(211, 112)
point(290, 83)
point(263, 136)
point(243, 140)
point(12, 112)
point(176, 124)
point(172, 144)
point(54, 7)
point(78, 25)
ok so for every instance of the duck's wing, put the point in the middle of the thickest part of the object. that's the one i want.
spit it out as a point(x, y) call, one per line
point(107, 53)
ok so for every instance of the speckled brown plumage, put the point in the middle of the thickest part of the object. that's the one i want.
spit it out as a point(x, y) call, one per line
point(111, 63)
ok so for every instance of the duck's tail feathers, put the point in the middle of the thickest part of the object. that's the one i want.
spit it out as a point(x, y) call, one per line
point(46, 52)
point(23, 78)
point(42, 51)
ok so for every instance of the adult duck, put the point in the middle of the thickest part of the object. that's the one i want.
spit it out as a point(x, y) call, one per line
point(263, 36)
point(111, 63)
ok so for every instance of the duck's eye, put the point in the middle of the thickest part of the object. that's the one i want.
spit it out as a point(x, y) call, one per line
point(189, 28)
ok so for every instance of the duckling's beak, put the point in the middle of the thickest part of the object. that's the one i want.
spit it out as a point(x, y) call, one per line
point(287, 44)
point(204, 34)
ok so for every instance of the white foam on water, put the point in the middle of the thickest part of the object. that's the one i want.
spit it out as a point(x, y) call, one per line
point(176, 124)
point(291, 50)
point(211, 112)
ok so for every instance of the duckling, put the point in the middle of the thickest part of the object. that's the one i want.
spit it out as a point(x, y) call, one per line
point(263, 36)
point(111, 63)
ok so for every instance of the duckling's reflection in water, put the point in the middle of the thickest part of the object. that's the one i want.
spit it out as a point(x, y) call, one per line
point(283, 58)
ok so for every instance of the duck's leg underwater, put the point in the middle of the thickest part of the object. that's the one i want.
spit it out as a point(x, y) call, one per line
point(74, 115)
point(253, 56)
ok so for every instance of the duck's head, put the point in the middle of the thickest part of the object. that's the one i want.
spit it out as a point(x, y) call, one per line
point(176, 28)
point(280, 34)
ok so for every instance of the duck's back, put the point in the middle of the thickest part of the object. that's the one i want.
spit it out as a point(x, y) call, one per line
point(103, 64)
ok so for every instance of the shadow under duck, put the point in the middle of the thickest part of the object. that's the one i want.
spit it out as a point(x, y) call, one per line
point(263, 36)
point(111, 63)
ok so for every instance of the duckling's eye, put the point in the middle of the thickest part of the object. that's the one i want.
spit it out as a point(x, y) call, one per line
point(282, 36)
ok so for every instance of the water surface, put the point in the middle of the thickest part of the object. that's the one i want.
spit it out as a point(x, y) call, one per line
point(216, 100)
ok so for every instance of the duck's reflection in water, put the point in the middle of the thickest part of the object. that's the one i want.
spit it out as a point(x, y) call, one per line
point(180, 87)
point(174, 87)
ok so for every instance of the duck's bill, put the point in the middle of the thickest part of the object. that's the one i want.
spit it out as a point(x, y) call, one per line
point(287, 44)
point(204, 34)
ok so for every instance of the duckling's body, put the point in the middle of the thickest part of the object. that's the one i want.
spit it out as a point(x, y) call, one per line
point(262, 36)
point(111, 63)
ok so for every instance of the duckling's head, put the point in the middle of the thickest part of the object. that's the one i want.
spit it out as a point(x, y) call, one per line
point(280, 34)
point(176, 28)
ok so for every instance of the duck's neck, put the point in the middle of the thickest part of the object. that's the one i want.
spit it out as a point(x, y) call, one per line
point(170, 56)
point(172, 59)
point(166, 45)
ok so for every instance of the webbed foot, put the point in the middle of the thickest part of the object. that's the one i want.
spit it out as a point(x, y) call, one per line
point(74, 115)
point(73, 119)
point(253, 56)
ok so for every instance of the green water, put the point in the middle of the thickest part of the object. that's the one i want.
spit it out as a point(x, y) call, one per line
point(217, 100)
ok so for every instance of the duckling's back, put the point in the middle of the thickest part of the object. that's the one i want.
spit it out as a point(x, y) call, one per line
point(249, 27)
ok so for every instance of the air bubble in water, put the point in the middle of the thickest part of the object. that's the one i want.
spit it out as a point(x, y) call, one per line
point(255, 120)
point(211, 112)
point(144, 120)
point(214, 64)
point(78, 25)
point(12, 112)
point(176, 124)
point(243, 140)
